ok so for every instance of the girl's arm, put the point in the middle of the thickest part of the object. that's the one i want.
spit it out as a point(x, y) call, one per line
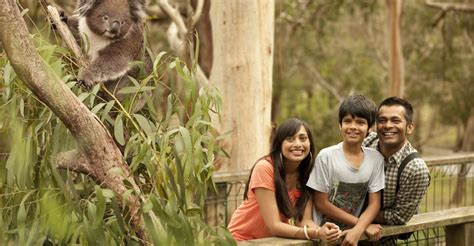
point(308, 216)
point(329, 232)
point(269, 210)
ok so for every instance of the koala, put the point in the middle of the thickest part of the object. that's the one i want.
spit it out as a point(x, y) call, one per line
point(112, 35)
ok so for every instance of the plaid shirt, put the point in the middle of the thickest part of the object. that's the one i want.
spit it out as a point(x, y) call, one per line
point(399, 208)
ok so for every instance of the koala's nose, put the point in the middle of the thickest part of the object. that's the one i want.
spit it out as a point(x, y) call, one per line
point(115, 27)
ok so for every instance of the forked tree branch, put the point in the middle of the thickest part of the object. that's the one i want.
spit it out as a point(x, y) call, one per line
point(464, 7)
point(178, 32)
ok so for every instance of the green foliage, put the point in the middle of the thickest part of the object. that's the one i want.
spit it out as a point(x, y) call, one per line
point(322, 54)
point(326, 50)
point(441, 60)
point(170, 152)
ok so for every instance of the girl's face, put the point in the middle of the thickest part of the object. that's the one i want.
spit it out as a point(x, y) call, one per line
point(295, 148)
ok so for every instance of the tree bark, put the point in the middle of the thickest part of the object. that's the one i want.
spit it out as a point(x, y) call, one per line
point(446, 6)
point(97, 154)
point(396, 67)
point(467, 146)
point(242, 71)
point(468, 140)
point(204, 32)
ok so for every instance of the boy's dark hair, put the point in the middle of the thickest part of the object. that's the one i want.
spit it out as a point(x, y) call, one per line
point(392, 101)
point(358, 106)
point(287, 129)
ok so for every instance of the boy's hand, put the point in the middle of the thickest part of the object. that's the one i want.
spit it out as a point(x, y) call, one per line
point(374, 232)
point(351, 237)
point(329, 232)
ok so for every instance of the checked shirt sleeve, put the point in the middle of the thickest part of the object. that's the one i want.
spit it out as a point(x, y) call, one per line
point(414, 182)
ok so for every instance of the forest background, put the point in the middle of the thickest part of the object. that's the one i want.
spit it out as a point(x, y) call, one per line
point(323, 51)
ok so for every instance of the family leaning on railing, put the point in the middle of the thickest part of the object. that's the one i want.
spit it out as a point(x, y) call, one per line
point(349, 189)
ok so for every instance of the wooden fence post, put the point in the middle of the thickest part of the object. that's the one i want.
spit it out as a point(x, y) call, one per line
point(461, 234)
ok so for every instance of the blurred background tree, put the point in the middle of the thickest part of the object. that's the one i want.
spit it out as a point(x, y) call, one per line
point(326, 50)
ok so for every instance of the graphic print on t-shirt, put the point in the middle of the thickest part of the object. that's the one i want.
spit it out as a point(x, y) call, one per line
point(348, 197)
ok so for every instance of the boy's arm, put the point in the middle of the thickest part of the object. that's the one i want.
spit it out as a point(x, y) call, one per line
point(353, 235)
point(319, 181)
point(324, 206)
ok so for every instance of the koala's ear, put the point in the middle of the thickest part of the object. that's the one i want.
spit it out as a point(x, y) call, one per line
point(136, 9)
point(85, 6)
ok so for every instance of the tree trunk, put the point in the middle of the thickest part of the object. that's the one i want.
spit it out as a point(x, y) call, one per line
point(242, 71)
point(396, 71)
point(204, 32)
point(468, 140)
point(96, 155)
point(467, 146)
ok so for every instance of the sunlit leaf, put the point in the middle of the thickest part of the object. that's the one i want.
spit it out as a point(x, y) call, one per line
point(118, 130)
point(108, 193)
point(97, 107)
point(144, 124)
point(100, 211)
point(128, 90)
point(7, 71)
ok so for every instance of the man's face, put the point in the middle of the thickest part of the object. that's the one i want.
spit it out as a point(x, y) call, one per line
point(392, 126)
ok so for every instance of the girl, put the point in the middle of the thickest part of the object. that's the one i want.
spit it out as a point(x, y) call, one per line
point(276, 200)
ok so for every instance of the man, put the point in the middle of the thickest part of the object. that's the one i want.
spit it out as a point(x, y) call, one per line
point(394, 125)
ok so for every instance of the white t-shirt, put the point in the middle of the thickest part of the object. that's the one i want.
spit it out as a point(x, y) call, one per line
point(347, 186)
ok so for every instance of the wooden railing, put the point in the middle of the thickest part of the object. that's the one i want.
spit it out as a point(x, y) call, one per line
point(449, 175)
point(459, 224)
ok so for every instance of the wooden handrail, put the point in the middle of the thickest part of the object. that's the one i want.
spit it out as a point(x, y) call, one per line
point(452, 216)
point(447, 217)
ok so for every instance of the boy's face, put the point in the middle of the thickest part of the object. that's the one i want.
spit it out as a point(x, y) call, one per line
point(392, 126)
point(353, 129)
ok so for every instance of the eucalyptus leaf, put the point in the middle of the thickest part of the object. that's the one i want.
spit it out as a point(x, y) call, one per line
point(101, 206)
point(144, 124)
point(129, 90)
point(119, 130)
point(7, 71)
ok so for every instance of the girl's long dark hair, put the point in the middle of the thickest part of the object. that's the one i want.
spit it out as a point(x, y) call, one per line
point(288, 129)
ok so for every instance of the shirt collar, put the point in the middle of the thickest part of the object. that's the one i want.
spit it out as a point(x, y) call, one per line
point(398, 156)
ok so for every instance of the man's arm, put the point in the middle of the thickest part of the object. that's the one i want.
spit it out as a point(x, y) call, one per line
point(412, 190)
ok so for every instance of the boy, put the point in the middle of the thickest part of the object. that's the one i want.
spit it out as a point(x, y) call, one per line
point(345, 173)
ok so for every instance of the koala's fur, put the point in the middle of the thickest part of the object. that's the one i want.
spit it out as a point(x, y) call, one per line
point(112, 33)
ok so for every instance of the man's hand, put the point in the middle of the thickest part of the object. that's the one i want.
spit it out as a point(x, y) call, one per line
point(374, 232)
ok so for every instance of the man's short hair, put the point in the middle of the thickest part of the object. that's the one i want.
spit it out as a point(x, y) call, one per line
point(358, 106)
point(396, 101)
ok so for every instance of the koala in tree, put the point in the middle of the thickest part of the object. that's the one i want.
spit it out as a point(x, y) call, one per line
point(112, 34)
